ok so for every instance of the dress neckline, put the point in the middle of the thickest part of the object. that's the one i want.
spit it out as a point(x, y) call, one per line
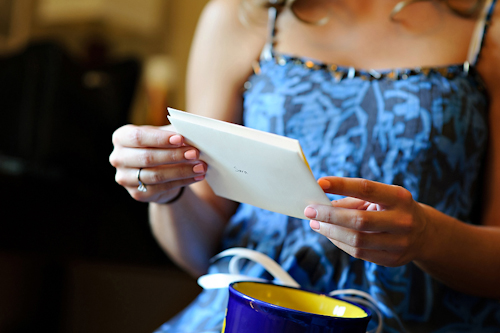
point(340, 72)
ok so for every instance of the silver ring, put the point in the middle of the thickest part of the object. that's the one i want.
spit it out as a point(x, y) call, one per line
point(142, 186)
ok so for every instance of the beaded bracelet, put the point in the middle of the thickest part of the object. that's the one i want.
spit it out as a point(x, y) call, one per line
point(174, 199)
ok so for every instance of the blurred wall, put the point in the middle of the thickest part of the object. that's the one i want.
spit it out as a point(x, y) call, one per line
point(75, 23)
point(183, 16)
point(76, 252)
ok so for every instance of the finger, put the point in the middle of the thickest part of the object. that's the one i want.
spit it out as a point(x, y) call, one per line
point(383, 194)
point(360, 220)
point(151, 157)
point(159, 193)
point(167, 173)
point(161, 174)
point(350, 203)
point(360, 239)
point(379, 257)
point(146, 136)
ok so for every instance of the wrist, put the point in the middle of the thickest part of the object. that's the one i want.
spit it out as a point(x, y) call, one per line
point(176, 197)
point(438, 230)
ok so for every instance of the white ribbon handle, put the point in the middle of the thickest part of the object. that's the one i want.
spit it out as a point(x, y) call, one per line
point(269, 264)
point(223, 280)
point(367, 301)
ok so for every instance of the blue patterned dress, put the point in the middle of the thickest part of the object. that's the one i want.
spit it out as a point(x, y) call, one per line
point(424, 129)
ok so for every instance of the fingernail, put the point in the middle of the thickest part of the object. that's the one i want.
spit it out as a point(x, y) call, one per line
point(199, 168)
point(325, 184)
point(199, 178)
point(314, 224)
point(310, 212)
point(175, 140)
point(190, 154)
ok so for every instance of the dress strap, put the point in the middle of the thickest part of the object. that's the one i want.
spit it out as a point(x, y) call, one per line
point(479, 32)
point(267, 51)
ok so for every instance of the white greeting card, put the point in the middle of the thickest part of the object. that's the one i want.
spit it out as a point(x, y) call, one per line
point(262, 169)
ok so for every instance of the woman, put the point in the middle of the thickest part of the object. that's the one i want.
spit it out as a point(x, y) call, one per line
point(404, 153)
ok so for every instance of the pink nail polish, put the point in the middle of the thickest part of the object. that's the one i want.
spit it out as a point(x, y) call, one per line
point(199, 168)
point(190, 154)
point(310, 212)
point(199, 178)
point(325, 184)
point(314, 224)
point(175, 140)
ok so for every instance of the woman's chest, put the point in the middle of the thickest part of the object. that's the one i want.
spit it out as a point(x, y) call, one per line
point(423, 34)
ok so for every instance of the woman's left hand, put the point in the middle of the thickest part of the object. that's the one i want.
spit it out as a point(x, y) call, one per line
point(375, 222)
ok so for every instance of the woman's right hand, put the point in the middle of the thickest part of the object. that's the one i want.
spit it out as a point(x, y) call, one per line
point(167, 163)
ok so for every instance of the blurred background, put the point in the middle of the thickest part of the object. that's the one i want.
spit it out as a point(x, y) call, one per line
point(76, 252)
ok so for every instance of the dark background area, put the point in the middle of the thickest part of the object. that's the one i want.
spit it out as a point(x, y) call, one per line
point(76, 252)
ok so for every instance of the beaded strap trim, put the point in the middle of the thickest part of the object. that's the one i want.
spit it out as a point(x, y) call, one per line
point(339, 72)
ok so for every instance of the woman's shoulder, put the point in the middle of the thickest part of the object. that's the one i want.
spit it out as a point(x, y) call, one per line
point(221, 57)
point(221, 12)
point(223, 22)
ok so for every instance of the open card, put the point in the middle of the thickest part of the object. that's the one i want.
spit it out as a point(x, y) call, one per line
point(262, 169)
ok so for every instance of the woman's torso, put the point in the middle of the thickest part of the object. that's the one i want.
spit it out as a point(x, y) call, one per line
point(421, 128)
